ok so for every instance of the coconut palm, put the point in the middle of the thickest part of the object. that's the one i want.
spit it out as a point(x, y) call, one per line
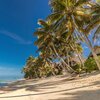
point(48, 44)
point(53, 47)
point(95, 23)
point(77, 17)
point(29, 69)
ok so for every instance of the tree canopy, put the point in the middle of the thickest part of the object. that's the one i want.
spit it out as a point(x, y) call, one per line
point(61, 35)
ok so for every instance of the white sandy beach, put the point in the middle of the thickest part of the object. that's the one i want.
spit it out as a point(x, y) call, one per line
point(54, 88)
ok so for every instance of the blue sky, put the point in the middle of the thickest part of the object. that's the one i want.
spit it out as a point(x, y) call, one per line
point(18, 21)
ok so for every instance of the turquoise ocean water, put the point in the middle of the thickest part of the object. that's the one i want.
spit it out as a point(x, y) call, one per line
point(4, 80)
point(10, 78)
point(9, 75)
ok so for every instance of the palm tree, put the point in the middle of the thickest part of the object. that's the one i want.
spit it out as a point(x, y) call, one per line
point(52, 47)
point(47, 42)
point(32, 67)
point(77, 17)
point(95, 23)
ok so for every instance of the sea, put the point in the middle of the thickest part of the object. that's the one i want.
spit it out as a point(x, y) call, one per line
point(4, 80)
point(9, 74)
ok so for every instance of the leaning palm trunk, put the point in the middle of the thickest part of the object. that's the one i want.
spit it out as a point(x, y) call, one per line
point(92, 50)
point(53, 72)
point(69, 69)
point(81, 60)
point(81, 65)
point(68, 59)
point(36, 75)
point(79, 56)
point(88, 42)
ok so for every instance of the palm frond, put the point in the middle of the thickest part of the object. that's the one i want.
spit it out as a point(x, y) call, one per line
point(92, 25)
point(43, 23)
point(97, 34)
point(39, 33)
point(81, 2)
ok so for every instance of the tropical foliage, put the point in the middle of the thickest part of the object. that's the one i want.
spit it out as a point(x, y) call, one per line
point(37, 68)
point(60, 38)
point(90, 65)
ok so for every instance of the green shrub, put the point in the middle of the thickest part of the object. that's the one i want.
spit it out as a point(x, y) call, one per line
point(90, 65)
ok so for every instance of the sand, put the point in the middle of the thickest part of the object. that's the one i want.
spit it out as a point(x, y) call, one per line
point(54, 88)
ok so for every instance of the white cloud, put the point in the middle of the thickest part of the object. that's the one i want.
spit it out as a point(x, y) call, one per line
point(15, 37)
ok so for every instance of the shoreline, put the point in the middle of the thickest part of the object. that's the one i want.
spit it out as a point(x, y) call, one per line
point(54, 88)
point(4, 83)
point(8, 82)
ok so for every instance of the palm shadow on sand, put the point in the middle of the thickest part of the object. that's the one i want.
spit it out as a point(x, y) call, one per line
point(78, 95)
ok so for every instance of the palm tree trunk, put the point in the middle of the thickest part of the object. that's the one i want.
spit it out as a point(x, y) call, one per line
point(79, 56)
point(35, 73)
point(88, 42)
point(56, 53)
point(51, 67)
point(81, 65)
point(70, 70)
point(92, 50)
point(68, 58)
